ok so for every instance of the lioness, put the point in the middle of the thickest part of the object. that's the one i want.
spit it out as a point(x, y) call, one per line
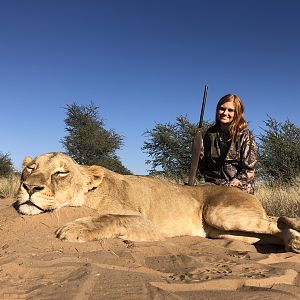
point(142, 208)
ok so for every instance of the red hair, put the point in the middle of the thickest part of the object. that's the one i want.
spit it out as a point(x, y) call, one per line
point(238, 123)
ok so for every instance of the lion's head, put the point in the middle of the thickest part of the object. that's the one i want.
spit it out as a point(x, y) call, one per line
point(54, 180)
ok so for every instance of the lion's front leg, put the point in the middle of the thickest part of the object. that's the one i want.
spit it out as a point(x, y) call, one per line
point(129, 227)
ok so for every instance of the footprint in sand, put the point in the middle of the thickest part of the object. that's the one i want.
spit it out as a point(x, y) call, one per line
point(239, 254)
point(219, 271)
point(171, 263)
point(254, 272)
point(200, 274)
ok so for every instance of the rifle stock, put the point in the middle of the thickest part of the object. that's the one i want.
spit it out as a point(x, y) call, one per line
point(196, 152)
point(197, 143)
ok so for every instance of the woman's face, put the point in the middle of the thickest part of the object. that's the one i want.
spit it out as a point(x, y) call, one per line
point(226, 113)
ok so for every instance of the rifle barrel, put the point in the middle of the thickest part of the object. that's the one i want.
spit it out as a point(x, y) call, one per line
point(203, 106)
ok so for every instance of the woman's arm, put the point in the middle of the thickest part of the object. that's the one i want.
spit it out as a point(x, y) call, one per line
point(248, 153)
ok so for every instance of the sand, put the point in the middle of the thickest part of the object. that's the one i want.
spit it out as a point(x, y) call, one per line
point(34, 264)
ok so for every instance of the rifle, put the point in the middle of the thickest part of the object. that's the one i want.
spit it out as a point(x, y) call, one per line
point(197, 143)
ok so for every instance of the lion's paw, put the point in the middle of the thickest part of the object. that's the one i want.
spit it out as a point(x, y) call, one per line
point(294, 245)
point(73, 232)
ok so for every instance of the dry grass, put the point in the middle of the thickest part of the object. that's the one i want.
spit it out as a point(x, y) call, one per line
point(279, 200)
point(9, 186)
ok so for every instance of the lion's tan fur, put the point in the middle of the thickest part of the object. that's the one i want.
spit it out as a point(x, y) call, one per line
point(144, 208)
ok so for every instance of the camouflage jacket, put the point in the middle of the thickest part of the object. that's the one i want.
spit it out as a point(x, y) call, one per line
point(225, 159)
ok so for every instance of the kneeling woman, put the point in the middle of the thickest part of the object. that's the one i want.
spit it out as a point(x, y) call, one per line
point(229, 147)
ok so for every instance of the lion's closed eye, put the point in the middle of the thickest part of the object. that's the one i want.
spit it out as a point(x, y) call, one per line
point(61, 173)
point(30, 168)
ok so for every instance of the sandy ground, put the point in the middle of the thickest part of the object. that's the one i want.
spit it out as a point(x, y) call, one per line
point(34, 264)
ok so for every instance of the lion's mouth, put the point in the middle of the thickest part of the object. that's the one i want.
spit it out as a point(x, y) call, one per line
point(30, 208)
point(29, 202)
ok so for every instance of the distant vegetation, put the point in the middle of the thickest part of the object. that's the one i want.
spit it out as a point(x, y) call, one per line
point(279, 152)
point(169, 147)
point(88, 142)
point(9, 179)
point(9, 185)
point(6, 165)
point(280, 199)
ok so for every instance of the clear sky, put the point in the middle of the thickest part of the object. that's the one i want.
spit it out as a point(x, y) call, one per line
point(141, 62)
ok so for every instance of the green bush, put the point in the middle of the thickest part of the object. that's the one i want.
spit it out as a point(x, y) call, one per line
point(279, 152)
point(169, 147)
point(6, 165)
point(88, 142)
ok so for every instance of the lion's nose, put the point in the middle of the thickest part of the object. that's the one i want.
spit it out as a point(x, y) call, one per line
point(31, 188)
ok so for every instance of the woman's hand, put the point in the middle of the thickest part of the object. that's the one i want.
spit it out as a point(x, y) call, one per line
point(235, 182)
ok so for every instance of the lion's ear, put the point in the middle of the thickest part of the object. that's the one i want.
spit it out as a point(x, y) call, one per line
point(26, 160)
point(93, 176)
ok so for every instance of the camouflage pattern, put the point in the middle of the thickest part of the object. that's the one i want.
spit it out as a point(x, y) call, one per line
point(225, 159)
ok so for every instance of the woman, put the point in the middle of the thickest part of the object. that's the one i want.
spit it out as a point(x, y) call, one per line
point(229, 147)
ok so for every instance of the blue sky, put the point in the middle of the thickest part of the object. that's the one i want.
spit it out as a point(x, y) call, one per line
point(141, 62)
